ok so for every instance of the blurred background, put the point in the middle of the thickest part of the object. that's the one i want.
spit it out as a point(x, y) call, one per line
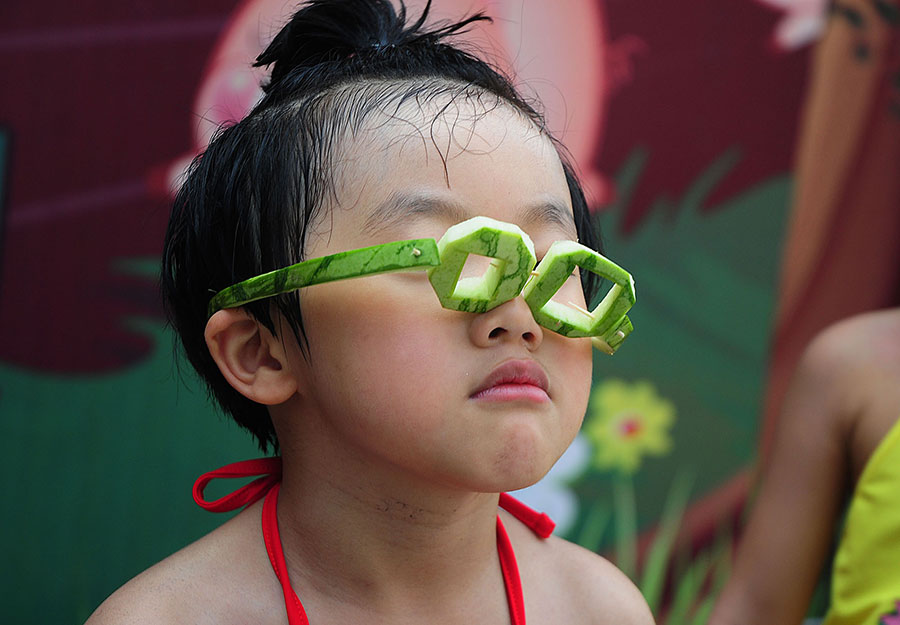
point(742, 160)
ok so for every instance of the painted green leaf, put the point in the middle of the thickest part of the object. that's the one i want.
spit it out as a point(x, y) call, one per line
point(705, 278)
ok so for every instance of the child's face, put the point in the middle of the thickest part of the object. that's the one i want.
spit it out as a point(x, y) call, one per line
point(480, 402)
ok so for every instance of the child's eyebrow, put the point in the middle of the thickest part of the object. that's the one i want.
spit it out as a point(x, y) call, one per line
point(401, 208)
point(550, 212)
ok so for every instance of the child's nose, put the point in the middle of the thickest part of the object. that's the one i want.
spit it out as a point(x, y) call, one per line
point(511, 321)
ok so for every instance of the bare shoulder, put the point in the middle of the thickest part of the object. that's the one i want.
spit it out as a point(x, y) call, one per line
point(867, 340)
point(848, 375)
point(845, 366)
point(565, 583)
point(159, 594)
point(604, 593)
point(220, 578)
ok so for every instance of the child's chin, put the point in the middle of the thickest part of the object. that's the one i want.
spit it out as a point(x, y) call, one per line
point(523, 468)
point(513, 484)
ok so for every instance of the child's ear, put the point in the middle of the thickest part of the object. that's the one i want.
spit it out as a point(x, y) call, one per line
point(252, 360)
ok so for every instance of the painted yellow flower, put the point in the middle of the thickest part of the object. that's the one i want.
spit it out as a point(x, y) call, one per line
point(627, 421)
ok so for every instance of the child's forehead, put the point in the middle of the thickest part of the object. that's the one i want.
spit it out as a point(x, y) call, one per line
point(449, 118)
point(409, 167)
point(415, 176)
point(414, 143)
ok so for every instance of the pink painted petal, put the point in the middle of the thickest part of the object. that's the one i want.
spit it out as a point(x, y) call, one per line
point(892, 618)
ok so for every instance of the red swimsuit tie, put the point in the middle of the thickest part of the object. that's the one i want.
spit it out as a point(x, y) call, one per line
point(267, 485)
point(269, 470)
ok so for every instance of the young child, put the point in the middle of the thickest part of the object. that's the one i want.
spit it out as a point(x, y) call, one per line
point(839, 434)
point(399, 422)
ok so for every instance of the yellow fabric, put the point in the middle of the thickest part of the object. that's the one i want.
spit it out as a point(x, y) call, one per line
point(866, 579)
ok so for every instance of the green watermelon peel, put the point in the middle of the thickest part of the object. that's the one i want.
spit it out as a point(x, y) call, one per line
point(396, 256)
point(504, 278)
point(511, 273)
point(607, 322)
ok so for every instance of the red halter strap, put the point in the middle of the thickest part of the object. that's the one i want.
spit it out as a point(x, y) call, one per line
point(267, 485)
point(537, 522)
point(268, 468)
point(295, 612)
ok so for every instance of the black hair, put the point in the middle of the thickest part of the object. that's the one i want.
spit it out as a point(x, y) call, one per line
point(246, 202)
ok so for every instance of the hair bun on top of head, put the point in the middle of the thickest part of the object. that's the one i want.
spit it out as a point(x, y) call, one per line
point(323, 31)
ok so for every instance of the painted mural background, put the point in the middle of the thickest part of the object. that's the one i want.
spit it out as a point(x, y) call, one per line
point(744, 164)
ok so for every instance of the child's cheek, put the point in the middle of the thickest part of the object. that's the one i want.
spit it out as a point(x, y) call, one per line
point(394, 313)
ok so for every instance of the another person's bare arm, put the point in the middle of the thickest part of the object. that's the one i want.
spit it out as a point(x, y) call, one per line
point(840, 404)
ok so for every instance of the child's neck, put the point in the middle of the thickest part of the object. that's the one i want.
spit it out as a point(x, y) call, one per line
point(376, 540)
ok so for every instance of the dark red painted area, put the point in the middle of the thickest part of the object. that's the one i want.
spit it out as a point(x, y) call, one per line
point(97, 95)
point(709, 81)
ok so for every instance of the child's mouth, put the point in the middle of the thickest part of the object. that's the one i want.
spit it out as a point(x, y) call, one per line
point(515, 380)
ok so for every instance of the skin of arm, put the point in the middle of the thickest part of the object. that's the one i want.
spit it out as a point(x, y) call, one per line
point(792, 523)
point(842, 400)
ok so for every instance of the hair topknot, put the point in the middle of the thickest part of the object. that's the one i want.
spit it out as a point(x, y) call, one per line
point(328, 31)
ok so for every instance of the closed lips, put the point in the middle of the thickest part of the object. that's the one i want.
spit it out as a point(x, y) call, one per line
point(515, 378)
